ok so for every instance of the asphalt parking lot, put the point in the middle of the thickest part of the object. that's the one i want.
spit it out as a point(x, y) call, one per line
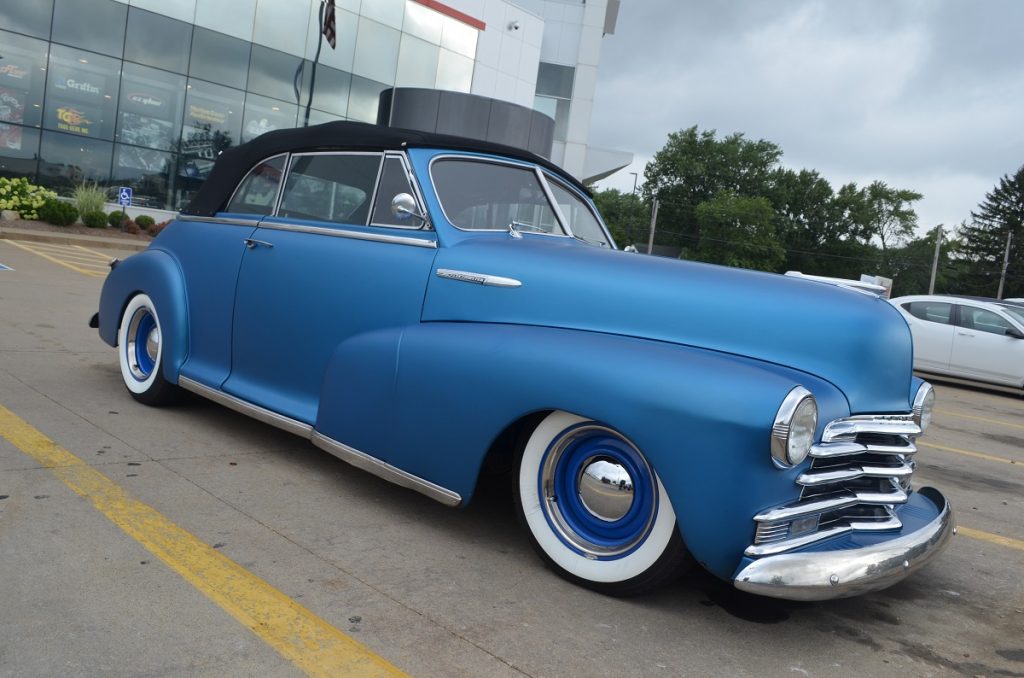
point(195, 541)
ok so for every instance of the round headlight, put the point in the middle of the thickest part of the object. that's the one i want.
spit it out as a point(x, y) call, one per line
point(794, 427)
point(924, 403)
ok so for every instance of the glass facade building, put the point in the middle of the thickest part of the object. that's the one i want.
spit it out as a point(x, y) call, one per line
point(146, 93)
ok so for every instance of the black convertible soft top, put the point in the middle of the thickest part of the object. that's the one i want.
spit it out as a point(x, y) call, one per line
point(233, 164)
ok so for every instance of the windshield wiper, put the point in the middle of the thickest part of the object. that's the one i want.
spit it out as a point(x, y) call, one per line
point(515, 226)
point(590, 242)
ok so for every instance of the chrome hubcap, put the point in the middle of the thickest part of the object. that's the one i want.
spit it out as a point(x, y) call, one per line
point(606, 489)
point(598, 492)
point(153, 344)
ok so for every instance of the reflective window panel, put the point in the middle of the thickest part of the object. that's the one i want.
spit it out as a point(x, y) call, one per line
point(31, 17)
point(376, 55)
point(22, 77)
point(458, 37)
point(19, 149)
point(95, 25)
point(454, 72)
point(365, 99)
point(274, 74)
point(417, 63)
point(336, 188)
point(147, 171)
point(555, 81)
point(331, 90)
point(67, 160)
point(422, 22)
point(213, 122)
point(81, 93)
point(151, 107)
point(264, 115)
point(219, 58)
point(156, 40)
point(557, 109)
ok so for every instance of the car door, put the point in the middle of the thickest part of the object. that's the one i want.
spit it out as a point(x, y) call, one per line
point(931, 323)
point(209, 251)
point(983, 350)
point(332, 263)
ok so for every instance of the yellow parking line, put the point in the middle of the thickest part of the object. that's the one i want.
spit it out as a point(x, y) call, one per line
point(55, 260)
point(299, 635)
point(976, 418)
point(101, 255)
point(991, 538)
point(70, 255)
point(969, 453)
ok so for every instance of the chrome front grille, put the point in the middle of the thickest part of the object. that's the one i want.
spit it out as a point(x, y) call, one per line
point(859, 472)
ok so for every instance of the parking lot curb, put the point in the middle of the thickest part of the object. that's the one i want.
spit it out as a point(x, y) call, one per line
point(72, 239)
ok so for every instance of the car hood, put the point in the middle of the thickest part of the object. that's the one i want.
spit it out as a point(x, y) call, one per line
point(858, 342)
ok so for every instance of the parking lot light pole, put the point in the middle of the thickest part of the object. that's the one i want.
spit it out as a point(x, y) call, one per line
point(654, 221)
point(1006, 264)
point(935, 260)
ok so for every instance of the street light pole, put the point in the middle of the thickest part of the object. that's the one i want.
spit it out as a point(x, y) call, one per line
point(1006, 264)
point(935, 260)
point(634, 182)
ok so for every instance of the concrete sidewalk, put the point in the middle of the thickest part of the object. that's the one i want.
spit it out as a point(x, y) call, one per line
point(94, 241)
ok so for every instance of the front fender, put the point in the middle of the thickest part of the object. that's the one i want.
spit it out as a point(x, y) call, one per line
point(155, 273)
point(431, 399)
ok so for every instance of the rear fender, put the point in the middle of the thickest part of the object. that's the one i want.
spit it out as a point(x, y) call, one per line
point(154, 273)
point(430, 399)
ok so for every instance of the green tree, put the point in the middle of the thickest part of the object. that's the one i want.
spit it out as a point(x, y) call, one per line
point(626, 215)
point(984, 239)
point(737, 231)
point(694, 166)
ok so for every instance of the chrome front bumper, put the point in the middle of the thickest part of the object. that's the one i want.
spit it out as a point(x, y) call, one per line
point(820, 575)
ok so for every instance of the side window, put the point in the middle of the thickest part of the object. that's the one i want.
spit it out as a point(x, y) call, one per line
point(393, 180)
point(982, 320)
point(582, 221)
point(932, 311)
point(258, 190)
point(336, 187)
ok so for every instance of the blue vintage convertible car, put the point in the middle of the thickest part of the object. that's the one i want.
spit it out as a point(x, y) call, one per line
point(427, 307)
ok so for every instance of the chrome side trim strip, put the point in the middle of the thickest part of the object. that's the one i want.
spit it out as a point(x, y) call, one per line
point(385, 470)
point(252, 223)
point(354, 235)
point(478, 278)
point(254, 411)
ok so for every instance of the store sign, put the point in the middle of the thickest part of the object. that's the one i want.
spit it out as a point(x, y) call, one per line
point(71, 119)
point(12, 105)
point(83, 86)
point(13, 71)
point(201, 114)
point(145, 100)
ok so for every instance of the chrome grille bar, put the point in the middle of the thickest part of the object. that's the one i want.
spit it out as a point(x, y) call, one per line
point(859, 473)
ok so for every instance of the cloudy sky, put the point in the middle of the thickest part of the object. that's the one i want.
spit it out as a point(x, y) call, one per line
point(921, 94)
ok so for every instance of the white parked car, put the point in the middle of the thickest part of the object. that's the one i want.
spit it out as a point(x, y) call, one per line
point(973, 339)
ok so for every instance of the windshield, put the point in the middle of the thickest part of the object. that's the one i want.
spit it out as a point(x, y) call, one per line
point(479, 195)
point(1017, 312)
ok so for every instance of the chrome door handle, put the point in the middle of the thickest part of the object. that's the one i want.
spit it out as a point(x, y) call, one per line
point(252, 243)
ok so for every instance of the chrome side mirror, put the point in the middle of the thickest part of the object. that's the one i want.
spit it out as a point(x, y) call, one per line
point(629, 248)
point(403, 206)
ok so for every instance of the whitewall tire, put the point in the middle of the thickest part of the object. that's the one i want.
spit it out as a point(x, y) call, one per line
point(596, 510)
point(140, 349)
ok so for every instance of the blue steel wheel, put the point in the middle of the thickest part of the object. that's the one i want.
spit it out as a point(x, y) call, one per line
point(140, 350)
point(596, 510)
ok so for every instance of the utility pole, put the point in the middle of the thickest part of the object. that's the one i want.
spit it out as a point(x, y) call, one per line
point(935, 260)
point(654, 220)
point(633, 173)
point(1006, 264)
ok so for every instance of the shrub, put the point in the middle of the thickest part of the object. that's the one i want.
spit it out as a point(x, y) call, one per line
point(144, 221)
point(89, 198)
point(95, 219)
point(117, 219)
point(131, 227)
point(23, 197)
point(58, 212)
point(155, 229)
